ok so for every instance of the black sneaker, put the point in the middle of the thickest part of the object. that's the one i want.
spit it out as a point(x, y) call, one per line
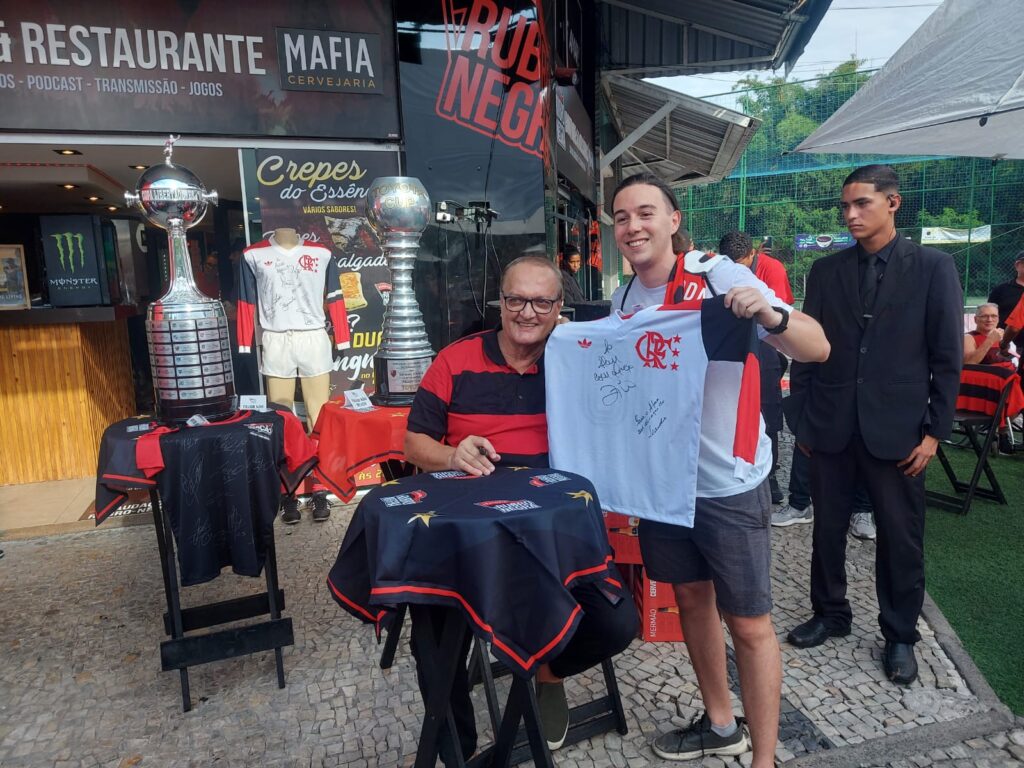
point(321, 506)
point(554, 713)
point(291, 515)
point(1005, 445)
point(698, 740)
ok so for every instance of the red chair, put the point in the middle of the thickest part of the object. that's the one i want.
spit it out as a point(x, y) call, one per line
point(985, 391)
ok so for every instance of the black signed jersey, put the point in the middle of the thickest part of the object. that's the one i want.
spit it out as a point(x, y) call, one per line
point(219, 484)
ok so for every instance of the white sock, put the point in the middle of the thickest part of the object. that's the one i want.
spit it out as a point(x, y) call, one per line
point(725, 731)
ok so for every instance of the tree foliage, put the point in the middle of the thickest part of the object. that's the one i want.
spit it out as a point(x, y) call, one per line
point(780, 193)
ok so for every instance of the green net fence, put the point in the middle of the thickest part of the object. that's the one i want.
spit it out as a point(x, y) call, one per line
point(972, 208)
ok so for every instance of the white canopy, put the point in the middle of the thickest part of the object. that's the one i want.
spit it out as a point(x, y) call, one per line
point(955, 88)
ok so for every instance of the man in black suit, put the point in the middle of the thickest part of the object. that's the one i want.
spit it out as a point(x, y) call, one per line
point(876, 409)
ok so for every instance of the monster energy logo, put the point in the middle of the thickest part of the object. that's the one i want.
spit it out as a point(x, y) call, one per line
point(66, 244)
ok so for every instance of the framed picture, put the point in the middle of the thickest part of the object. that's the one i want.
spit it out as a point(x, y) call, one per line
point(13, 278)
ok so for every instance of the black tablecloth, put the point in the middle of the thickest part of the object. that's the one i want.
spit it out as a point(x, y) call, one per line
point(505, 549)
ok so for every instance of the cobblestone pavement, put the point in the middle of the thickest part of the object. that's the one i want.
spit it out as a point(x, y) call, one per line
point(80, 684)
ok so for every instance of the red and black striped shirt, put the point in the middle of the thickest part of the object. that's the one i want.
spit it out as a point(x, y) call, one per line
point(470, 390)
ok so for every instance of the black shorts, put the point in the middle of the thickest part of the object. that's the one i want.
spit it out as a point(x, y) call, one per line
point(729, 544)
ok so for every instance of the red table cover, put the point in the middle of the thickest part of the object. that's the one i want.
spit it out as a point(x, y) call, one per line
point(350, 441)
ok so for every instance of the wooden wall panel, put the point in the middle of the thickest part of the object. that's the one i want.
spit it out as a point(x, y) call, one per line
point(60, 386)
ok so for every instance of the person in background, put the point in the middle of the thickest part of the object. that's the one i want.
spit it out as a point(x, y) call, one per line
point(682, 242)
point(981, 347)
point(208, 278)
point(739, 247)
point(799, 509)
point(1007, 296)
point(876, 410)
point(572, 261)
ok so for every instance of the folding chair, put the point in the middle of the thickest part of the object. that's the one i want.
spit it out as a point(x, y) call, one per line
point(598, 715)
point(980, 407)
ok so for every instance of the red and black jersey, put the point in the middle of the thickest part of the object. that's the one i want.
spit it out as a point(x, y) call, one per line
point(992, 357)
point(772, 273)
point(1016, 317)
point(470, 390)
point(219, 483)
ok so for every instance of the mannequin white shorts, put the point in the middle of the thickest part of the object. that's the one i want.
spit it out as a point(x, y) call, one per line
point(287, 354)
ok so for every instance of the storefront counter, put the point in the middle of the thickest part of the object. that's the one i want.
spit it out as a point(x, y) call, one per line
point(65, 374)
point(65, 315)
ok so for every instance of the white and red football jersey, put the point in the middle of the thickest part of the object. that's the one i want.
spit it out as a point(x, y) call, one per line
point(288, 287)
point(627, 405)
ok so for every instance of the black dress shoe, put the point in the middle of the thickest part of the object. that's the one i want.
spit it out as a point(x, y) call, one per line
point(899, 662)
point(814, 632)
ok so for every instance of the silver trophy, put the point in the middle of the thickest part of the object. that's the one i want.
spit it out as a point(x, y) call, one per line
point(189, 348)
point(398, 209)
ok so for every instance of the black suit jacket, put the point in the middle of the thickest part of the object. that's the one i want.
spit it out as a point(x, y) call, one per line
point(892, 378)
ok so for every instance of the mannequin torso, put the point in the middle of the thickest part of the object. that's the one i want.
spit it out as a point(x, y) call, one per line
point(286, 237)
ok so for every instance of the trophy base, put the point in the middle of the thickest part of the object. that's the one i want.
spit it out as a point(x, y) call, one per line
point(211, 410)
point(397, 380)
point(391, 401)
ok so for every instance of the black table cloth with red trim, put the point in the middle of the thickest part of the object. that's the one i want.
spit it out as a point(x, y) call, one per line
point(219, 483)
point(504, 549)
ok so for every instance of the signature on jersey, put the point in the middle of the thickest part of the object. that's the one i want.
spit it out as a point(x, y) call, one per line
point(612, 392)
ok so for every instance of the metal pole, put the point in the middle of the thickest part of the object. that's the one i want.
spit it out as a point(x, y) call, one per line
point(743, 192)
point(970, 208)
point(991, 218)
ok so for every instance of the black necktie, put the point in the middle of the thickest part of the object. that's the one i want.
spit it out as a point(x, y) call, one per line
point(869, 285)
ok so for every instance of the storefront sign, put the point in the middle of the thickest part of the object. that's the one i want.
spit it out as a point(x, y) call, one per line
point(322, 195)
point(329, 61)
point(828, 242)
point(492, 80)
point(72, 263)
point(574, 140)
point(254, 68)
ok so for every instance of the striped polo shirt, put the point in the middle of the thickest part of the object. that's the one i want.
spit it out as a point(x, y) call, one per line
point(470, 390)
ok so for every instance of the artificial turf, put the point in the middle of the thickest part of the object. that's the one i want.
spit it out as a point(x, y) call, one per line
point(975, 572)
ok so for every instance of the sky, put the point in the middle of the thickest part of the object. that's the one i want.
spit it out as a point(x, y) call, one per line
point(872, 30)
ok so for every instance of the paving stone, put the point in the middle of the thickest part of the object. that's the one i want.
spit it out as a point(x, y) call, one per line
point(82, 687)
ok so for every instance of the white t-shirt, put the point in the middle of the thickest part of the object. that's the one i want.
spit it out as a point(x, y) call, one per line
point(715, 464)
point(623, 398)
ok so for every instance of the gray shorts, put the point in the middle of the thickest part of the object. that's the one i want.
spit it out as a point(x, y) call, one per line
point(729, 544)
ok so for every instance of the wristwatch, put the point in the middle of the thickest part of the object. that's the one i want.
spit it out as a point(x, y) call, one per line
point(783, 323)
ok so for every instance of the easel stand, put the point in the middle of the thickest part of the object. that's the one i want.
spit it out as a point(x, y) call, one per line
point(514, 743)
point(182, 652)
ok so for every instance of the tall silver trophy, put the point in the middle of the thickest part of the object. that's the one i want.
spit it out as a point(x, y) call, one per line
point(189, 348)
point(398, 209)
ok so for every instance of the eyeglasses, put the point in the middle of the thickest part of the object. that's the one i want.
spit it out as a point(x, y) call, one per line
point(518, 304)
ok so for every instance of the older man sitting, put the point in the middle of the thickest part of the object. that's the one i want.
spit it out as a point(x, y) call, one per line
point(982, 347)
